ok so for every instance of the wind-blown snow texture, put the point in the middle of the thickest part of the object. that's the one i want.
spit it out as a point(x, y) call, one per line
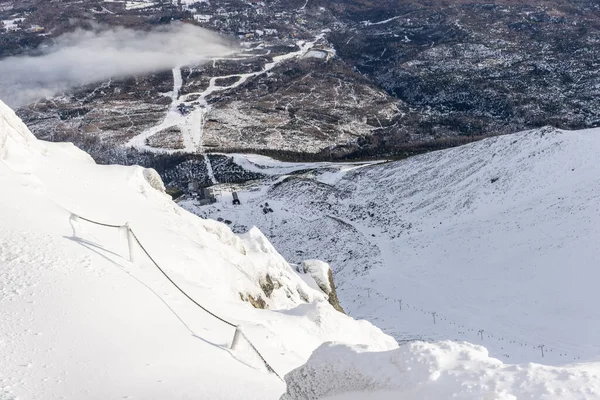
point(442, 370)
point(79, 321)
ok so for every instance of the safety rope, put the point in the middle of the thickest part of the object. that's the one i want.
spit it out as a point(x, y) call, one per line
point(261, 357)
point(174, 284)
point(95, 222)
point(238, 330)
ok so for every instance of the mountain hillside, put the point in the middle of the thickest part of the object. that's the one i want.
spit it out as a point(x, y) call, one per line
point(80, 320)
point(492, 242)
point(381, 77)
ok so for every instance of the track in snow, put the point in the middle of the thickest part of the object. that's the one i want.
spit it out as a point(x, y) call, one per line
point(192, 124)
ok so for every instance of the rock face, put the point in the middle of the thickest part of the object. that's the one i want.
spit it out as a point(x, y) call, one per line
point(321, 273)
point(333, 297)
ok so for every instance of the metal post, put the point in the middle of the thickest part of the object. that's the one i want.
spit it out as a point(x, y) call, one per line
point(236, 337)
point(73, 221)
point(130, 241)
point(434, 314)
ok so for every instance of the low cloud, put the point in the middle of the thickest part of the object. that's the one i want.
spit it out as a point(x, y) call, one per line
point(86, 56)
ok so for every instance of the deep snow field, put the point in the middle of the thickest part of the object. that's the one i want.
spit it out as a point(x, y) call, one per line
point(84, 315)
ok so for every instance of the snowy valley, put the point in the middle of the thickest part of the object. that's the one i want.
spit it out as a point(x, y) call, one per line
point(496, 237)
point(491, 243)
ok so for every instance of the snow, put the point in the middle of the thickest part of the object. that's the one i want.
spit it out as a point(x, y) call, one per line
point(202, 17)
point(441, 370)
point(492, 243)
point(495, 236)
point(11, 24)
point(385, 21)
point(320, 54)
point(270, 166)
point(80, 320)
point(189, 2)
point(138, 5)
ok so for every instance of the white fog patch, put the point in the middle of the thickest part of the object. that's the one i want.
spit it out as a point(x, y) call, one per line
point(86, 56)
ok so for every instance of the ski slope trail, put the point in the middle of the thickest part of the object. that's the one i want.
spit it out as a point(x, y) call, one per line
point(191, 123)
point(209, 170)
point(172, 118)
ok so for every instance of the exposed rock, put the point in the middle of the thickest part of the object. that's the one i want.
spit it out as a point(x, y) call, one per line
point(323, 277)
point(257, 302)
point(333, 298)
point(267, 285)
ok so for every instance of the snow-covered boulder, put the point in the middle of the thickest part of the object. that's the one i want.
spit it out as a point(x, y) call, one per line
point(154, 179)
point(442, 370)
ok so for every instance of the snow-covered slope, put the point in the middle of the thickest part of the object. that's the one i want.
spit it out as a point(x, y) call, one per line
point(493, 242)
point(78, 320)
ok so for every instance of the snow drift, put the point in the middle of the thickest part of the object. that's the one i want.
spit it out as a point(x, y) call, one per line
point(79, 320)
point(440, 370)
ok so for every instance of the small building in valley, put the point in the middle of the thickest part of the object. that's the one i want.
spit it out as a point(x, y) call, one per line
point(236, 199)
point(202, 195)
point(206, 197)
point(193, 186)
